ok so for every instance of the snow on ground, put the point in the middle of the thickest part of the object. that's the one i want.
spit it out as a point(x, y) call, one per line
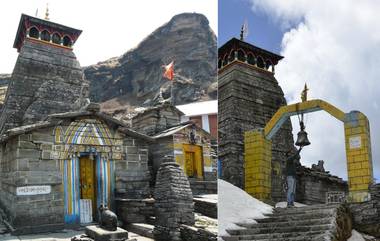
point(237, 206)
point(212, 198)
point(210, 224)
point(356, 236)
point(284, 204)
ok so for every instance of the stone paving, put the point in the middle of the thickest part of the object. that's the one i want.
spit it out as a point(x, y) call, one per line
point(61, 236)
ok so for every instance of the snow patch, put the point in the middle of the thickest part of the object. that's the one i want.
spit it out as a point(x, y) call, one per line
point(284, 204)
point(356, 236)
point(237, 206)
point(212, 198)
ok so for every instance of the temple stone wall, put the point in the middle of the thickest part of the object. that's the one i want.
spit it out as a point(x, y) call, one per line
point(312, 186)
point(157, 152)
point(199, 187)
point(35, 159)
point(366, 215)
point(156, 119)
point(132, 174)
point(23, 164)
point(135, 210)
point(45, 80)
point(248, 98)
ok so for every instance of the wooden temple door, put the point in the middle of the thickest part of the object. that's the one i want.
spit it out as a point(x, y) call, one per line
point(87, 182)
point(193, 160)
point(189, 160)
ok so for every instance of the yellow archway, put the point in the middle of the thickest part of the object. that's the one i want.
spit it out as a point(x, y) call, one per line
point(258, 149)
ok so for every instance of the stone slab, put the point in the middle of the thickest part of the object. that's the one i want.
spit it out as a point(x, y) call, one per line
point(99, 234)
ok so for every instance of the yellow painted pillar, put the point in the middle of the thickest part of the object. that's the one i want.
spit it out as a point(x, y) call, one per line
point(359, 157)
point(258, 158)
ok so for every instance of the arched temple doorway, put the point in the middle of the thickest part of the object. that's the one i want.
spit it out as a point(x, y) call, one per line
point(258, 149)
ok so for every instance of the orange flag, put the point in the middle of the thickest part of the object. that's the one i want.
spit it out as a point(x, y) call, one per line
point(169, 71)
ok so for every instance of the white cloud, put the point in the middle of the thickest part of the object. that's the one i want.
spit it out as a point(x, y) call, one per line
point(110, 28)
point(334, 46)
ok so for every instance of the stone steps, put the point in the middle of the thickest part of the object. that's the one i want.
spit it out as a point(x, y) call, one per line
point(295, 216)
point(314, 221)
point(3, 227)
point(275, 229)
point(306, 208)
point(318, 222)
point(206, 207)
point(142, 229)
point(275, 236)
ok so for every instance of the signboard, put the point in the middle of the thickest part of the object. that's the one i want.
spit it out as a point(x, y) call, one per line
point(355, 142)
point(33, 190)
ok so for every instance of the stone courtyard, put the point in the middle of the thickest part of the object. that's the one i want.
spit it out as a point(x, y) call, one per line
point(65, 235)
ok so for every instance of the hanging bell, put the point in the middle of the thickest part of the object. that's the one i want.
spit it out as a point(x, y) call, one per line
point(302, 139)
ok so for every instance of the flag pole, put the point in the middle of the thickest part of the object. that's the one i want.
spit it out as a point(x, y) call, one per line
point(171, 92)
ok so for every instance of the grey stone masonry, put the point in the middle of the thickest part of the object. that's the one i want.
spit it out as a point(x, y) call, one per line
point(248, 97)
point(189, 233)
point(22, 165)
point(366, 215)
point(45, 80)
point(132, 171)
point(135, 210)
point(203, 187)
point(156, 119)
point(313, 186)
point(174, 202)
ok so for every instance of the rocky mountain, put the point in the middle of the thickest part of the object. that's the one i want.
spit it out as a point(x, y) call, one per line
point(135, 78)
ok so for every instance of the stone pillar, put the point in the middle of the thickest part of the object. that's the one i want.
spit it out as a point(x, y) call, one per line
point(174, 201)
point(359, 157)
point(258, 156)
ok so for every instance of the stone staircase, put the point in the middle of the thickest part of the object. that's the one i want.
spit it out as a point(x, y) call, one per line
point(312, 223)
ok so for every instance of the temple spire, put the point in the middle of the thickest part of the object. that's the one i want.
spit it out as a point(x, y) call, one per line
point(47, 12)
point(304, 93)
point(244, 30)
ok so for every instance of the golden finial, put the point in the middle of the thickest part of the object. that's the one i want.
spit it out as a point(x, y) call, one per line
point(47, 12)
point(304, 93)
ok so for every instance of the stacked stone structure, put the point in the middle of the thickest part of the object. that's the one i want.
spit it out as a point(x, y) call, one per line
point(249, 95)
point(174, 202)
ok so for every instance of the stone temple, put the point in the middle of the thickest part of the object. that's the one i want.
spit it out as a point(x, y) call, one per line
point(254, 135)
point(61, 157)
point(249, 95)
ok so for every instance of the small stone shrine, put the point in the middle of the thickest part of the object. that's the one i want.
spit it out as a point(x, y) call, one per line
point(174, 205)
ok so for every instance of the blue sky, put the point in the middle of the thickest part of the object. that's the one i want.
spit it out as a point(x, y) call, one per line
point(263, 32)
point(337, 57)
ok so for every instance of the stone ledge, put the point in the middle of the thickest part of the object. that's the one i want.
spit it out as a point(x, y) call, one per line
point(99, 234)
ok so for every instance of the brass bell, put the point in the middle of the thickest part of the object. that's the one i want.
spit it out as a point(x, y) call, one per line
point(302, 136)
point(302, 139)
